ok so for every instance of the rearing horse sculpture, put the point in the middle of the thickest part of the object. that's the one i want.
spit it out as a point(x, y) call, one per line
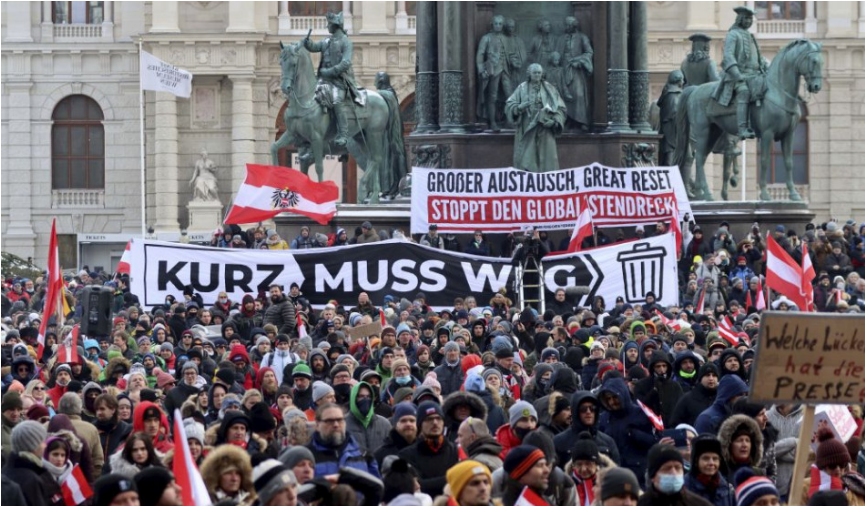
point(772, 120)
point(311, 128)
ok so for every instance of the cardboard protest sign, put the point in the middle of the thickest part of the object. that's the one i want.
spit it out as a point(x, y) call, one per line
point(810, 358)
point(837, 418)
point(361, 331)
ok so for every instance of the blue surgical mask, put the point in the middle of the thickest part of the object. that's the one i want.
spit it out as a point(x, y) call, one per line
point(671, 483)
point(403, 380)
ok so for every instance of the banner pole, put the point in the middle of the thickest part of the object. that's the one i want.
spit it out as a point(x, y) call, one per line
point(802, 449)
point(141, 141)
point(744, 180)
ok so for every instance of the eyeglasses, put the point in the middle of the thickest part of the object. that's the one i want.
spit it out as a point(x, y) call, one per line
point(38, 388)
point(588, 409)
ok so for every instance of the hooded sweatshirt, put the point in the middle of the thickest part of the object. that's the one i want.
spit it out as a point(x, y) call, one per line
point(629, 427)
point(710, 420)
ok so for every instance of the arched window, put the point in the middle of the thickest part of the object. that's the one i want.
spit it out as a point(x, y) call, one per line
point(77, 144)
point(800, 155)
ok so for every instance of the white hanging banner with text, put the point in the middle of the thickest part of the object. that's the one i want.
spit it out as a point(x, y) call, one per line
point(510, 200)
point(157, 75)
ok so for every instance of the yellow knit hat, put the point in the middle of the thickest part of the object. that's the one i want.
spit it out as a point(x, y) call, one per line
point(459, 475)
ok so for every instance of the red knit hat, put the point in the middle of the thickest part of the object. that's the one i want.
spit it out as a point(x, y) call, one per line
point(830, 451)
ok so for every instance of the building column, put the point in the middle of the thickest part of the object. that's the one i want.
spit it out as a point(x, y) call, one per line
point(347, 21)
point(638, 74)
point(242, 127)
point(426, 88)
point(166, 16)
point(20, 237)
point(18, 22)
point(617, 63)
point(241, 17)
point(47, 22)
point(861, 17)
point(284, 18)
point(108, 21)
point(165, 158)
point(811, 16)
point(450, 69)
point(374, 18)
point(401, 18)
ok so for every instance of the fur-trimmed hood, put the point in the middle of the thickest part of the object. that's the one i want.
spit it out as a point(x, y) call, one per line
point(108, 372)
point(223, 457)
point(730, 427)
point(475, 404)
point(74, 441)
point(604, 463)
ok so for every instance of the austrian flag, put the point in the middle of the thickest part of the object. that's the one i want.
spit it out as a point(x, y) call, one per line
point(269, 191)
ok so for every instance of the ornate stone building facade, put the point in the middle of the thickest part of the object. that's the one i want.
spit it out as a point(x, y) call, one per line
point(70, 108)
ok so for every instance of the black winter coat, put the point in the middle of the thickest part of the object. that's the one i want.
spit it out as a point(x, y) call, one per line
point(112, 440)
point(565, 441)
point(692, 404)
point(37, 484)
point(282, 315)
point(393, 444)
point(431, 465)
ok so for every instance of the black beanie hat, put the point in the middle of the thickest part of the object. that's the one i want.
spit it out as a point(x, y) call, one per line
point(620, 481)
point(108, 487)
point(585, 448)
point(706, 369)
point(428, 408)
point(659, 455)
point(637, 372)
point(151, 484)
point(260, 418)
point(225, 375)
point(520, 459)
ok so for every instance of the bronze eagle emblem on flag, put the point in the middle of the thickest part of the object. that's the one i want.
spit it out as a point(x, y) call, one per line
point(285, 198)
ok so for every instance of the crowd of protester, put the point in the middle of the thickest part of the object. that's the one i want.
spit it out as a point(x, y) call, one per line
point(471, 405)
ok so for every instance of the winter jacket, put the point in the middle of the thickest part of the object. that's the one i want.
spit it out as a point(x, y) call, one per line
point(162, 440)
point(450, 377)
point(113, 438)
point(328, 459)
point(431, 465)
point(178, 395)
point(721, 496)
point(368, 429)
point(477, 409)
point(729, 428)
point(88, 433)
point(495, 414)
point(659, 394)
point(684, 498)
point(392, 445)
point(686, 383)
point(278, 360)
point(485, 450)
point(507, 439)
point(710, 420)
point(785, 446)
point(7, 437)
point(282, 315)
point(628, 426)
point(692, 404)
point(36, 483)
point(565, 441)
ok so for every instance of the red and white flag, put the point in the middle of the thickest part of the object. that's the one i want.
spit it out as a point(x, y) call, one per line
point(67, 352)
point(529, 497)
point(725, 330)
point(676, 228)
point(186, 473)
point(783, 274)
point(673, 325)
point(808, 276)
point(582, 230)
point(761, 296)
point(748, 302)
point(123, 266)
point(75, 488)
point(301, 327)
point(821, 480)
point(701, 302)
point(382, 318)
point(268, 191)
point(54, 290)
point(653, 417)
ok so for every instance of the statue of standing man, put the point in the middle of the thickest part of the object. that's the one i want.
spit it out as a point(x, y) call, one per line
point(668, 103)
point(493, 72)
point(577, 58)
point(538, 112)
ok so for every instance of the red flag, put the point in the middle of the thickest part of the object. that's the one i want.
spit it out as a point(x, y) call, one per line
point(67, 352)
point(748, 302)
point(529, 497)
point(54, 290)
point(301, 327)
point(123, 265)
point(783, 274)
point(673, 325)
point(582, 230)
point(654, 418)
point(701, 302)
point(676, 228)
point(75, 488)
point(383, 319)
point(761, 296)
point(269, 191)
point(725, 330)
point(808, 276)
point(186, 473)
point(821, 480)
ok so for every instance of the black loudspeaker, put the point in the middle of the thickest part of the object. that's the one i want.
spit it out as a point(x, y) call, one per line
point(96, 311)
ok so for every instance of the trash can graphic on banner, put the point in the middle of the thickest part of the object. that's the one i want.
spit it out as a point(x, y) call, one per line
point(643, 272)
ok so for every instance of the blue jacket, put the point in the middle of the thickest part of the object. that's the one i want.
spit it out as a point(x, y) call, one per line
point(722, 496)
point(711, 419)
point(329, 460)
point(629, 427)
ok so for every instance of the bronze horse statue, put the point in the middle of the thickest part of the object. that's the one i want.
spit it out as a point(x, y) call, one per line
point(310, 127)
point(775, 119)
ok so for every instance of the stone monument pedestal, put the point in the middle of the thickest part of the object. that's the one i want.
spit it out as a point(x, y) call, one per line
point(204, 215)
point(742, 214)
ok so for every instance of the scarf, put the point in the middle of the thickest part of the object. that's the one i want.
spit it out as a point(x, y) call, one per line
point(435, 444)
point(585, 489)
point(688, 375)
point(710, 482)
point(59, 473)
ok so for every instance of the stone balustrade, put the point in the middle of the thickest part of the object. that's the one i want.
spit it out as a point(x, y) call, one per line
point(77, 199)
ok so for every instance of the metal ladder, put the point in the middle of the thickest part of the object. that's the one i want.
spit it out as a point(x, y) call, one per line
point(530, 278)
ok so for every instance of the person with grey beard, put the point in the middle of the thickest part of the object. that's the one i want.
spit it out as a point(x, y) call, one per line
point(333, 448)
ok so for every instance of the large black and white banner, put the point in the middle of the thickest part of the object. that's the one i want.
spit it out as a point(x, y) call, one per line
point(397, 268)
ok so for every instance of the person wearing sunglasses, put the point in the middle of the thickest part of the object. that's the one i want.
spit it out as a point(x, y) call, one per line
point(585, 411)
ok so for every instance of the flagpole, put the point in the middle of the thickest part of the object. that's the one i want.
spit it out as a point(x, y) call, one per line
point(141, 139)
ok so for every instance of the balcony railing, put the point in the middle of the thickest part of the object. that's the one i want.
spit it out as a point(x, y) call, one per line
point(781, 28)
point(778, 191)
point(77, 199)
point(78, 32)
point(302, 24)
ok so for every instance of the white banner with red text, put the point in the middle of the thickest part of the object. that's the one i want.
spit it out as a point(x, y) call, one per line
point(510, 200)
